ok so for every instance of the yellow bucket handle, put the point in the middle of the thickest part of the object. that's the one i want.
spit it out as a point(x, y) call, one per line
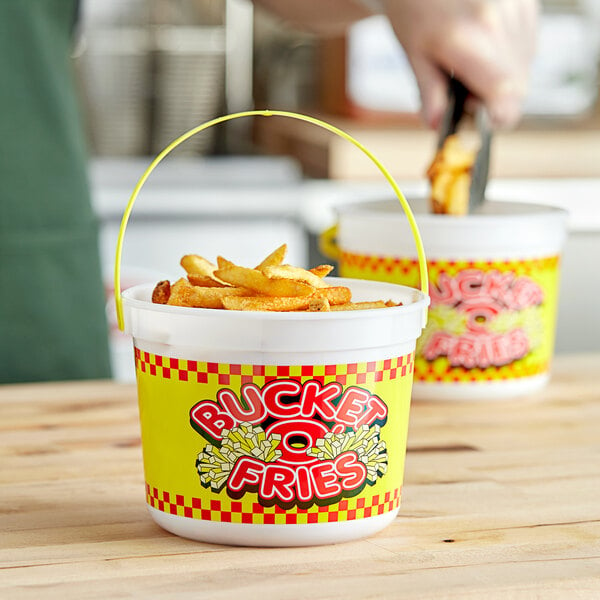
point(327, 245)
point(261, 113)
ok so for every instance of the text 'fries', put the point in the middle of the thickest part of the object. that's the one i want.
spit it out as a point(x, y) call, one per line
point(270, 286)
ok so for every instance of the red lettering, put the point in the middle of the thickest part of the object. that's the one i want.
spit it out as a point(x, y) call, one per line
point(300, 416)
point(496, 287)
point(304, 490)
point(444, 292)
point(439, 345)
point(297, 436)
point(352, 405)
point(285, 484)
point(274, 481)
point(352, 472)
point(376, 410)
point(325, 480)
point(463, 352)
point(492, 288)
point(246, 472)
point(278, 481)
point(485, 356)
point(207, 417)
point(469, 283)
point(256, 410)
point(338, 428)
point(518, 342)
point(319, 400)
point(273, 393)
point(355, 407)
point(526, 293)
point(480, 349)
point(479, 316)
point(500, 350)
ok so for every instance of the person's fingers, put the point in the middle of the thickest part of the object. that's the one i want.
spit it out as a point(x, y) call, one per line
point(433, 87)
point(486, 44)
point(505, 111)
point(498, 83)
point(502, 96)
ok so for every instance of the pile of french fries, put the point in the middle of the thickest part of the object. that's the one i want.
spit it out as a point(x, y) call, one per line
point(450, 177)
point(270, 286)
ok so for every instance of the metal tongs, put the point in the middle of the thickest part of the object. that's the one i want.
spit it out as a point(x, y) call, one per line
point(457, 96)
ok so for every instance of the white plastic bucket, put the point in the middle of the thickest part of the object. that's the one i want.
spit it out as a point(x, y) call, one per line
point(194, 367)
point(493, 286)
point(273, 429)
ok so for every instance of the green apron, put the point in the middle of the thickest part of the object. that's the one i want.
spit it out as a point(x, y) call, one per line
point(52, 303)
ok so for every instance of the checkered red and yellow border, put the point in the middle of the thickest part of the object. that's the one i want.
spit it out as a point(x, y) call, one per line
point(230, 374)
point(230, 511)
point(406, 270)
point(440, 371)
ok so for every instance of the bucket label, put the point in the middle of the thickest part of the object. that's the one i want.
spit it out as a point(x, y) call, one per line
point(257, 443)
point(488, 320)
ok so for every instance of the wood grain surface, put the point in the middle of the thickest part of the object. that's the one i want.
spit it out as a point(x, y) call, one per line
point(501, 501)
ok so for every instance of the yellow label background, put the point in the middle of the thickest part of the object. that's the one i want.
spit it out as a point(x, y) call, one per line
point(543, 271)
point(171, 445)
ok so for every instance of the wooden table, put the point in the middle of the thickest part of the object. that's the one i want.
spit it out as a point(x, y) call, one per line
point(501, 500)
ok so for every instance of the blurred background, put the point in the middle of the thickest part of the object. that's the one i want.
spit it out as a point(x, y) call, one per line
point(149, 70)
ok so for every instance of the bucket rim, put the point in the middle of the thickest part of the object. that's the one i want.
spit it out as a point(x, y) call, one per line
point(385, 208)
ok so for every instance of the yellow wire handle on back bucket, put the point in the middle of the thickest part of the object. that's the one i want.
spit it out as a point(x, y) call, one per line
point(260, 113)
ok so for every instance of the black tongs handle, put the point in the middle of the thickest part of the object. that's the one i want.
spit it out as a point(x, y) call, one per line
point(457, 96)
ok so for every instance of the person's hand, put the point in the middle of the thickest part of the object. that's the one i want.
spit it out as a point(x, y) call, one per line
point(486, 44)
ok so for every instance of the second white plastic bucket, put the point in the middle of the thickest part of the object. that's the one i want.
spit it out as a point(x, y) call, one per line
point(493, 286)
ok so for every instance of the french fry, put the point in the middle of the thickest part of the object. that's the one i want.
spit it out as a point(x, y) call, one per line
point(183, 293)
point(294, 273)
point(318, 303)
point(223, 263)
point(453, 156)
point(274, 303)
point(275, 258)
point(336, 295)
point(450, 177)
point(359, 305)
point(321, 270)
point(440, 184)
point(258, 282)
point(458, 194)
point(205, 281)
point(197, 266)
point(193, 263)
point(161, 292)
